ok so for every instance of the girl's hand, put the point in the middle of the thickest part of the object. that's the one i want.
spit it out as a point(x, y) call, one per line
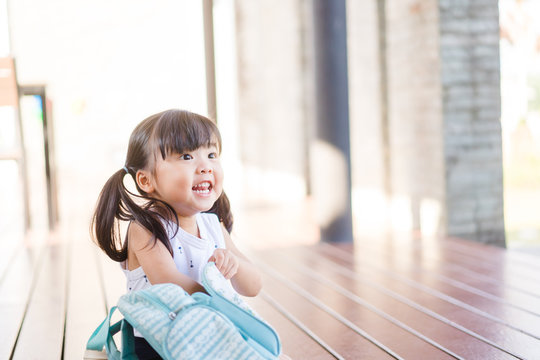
point(226, 262)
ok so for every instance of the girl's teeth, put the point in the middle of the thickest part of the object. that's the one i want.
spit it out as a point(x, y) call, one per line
point(202, 187)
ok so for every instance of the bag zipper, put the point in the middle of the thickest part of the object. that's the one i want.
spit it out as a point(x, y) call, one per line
point(165, 308)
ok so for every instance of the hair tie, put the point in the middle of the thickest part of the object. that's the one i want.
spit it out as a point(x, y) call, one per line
point(126, 169)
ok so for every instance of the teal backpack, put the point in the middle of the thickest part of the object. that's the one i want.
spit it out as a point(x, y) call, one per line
point(217, 325)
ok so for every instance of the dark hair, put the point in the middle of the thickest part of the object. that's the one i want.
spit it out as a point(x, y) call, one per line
point(171, 131)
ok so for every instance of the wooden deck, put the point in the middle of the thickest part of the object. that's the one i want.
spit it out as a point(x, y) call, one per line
point(407, 299)
point(384, 297)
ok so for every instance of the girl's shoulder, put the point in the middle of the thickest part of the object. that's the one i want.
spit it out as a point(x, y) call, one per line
point(138, 234)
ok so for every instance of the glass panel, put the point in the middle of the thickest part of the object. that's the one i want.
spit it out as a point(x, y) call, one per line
point(32, 121)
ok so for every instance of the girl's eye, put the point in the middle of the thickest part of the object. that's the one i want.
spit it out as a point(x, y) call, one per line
point(186, 157)
point(212, 155)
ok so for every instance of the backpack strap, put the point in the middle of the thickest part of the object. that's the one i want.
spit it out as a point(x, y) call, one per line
point(252, 327)
point(102, 338)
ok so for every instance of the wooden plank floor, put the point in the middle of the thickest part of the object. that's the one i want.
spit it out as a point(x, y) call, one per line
point(381, 298)
point(443, 299)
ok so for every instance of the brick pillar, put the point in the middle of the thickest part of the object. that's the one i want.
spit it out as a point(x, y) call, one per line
point(470, 81)
point(444, 117)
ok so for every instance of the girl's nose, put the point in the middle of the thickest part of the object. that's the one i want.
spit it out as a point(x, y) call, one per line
point(205, 170)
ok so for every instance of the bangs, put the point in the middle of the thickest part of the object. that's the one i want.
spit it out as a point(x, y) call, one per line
point(179, 131)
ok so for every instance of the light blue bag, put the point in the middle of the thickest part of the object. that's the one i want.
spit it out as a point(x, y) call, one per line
point(217, 325)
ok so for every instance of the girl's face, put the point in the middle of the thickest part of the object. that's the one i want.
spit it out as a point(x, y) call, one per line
point(190, 182)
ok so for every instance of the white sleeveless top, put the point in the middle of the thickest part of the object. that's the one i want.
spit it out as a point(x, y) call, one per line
point(190, 253)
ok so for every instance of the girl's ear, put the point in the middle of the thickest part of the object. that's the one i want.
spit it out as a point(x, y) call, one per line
point(144, 180)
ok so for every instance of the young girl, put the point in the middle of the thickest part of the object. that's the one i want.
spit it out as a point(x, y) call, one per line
point(181, 217)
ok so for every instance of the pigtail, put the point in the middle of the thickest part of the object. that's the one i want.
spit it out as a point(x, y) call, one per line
point(222, 208)
point(106, 232)
point(116, 203)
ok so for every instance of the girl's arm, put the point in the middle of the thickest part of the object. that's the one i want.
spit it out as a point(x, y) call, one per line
point(244, 276)
point(156, 260)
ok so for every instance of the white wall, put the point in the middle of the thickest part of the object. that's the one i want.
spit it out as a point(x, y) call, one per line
point(107, 65)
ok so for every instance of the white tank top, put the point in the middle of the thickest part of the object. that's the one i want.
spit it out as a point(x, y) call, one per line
point(190, 253)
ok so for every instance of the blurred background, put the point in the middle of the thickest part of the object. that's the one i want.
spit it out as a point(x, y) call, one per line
point(443, 111)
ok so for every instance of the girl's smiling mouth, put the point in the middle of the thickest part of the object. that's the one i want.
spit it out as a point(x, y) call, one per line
point(203, 188)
